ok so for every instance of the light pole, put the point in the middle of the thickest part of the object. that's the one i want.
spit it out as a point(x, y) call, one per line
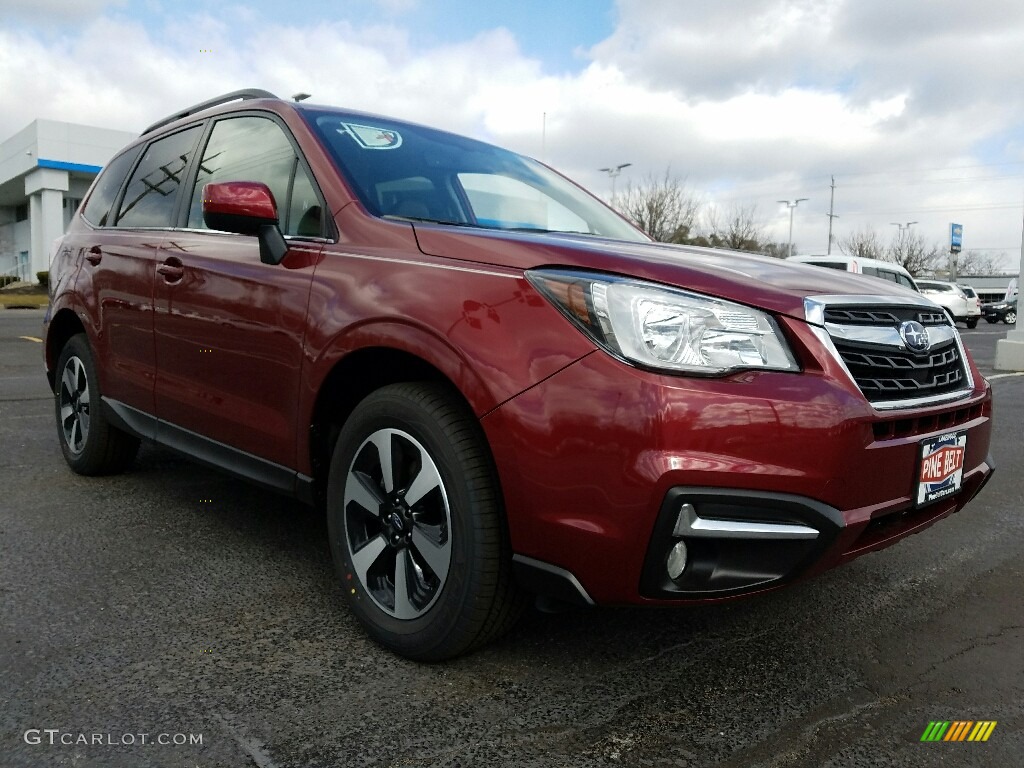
point(791, 204)
point(614, 173)
point(903, 227)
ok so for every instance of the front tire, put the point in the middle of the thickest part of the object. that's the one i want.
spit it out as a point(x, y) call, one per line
point(90, 444)
point(416, 524)
point(1010, 318)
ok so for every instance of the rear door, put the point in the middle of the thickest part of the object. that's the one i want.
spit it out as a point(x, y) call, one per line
point(119, 261)
point(229, 329)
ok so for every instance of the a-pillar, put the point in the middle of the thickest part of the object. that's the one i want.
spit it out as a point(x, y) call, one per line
point(45, 188)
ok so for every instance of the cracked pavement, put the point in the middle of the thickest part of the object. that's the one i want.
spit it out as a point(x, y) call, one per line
point(129, 606)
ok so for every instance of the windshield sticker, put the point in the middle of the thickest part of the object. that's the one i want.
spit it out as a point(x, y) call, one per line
point(369, 137)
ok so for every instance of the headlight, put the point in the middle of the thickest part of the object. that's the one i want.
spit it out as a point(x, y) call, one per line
point(664, 328)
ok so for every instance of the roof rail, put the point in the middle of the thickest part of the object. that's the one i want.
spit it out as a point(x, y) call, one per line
point(245, 93)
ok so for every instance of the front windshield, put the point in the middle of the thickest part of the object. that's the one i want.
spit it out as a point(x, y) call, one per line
point(407, 171)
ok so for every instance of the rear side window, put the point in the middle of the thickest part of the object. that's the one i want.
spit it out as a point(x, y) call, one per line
point(257, 149)
point(828, 265)
point(97, 208)
point(151, 198)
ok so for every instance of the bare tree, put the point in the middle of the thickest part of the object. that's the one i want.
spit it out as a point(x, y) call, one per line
point(737, 227)
point(777, 250)
point(979, 263)
point(911, 253)
point(663, 208)
point(863, 243)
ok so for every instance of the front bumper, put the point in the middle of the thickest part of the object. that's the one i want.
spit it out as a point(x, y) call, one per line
point(590, 457)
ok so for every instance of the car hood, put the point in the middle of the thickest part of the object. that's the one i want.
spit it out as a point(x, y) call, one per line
point(772, 284)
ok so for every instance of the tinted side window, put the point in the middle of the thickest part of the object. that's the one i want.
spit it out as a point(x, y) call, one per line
point(872, 271)
point(256, 149)
point(903, 280)
point(152, 195)
point(97, 209)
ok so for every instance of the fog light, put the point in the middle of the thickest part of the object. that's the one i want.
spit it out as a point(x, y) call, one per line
point(676, 563)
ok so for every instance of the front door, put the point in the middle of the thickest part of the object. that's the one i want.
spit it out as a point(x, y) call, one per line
point(229, 329)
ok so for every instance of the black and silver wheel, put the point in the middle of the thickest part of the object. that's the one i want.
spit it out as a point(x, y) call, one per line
point(91, 446)
point(416, 524)
point(397, 523)
point(1010, 318)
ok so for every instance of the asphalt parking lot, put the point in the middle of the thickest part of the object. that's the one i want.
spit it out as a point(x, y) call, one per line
point(172, 603)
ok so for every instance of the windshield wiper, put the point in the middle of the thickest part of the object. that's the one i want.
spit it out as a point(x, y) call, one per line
point(541, 230)
point(427, 220)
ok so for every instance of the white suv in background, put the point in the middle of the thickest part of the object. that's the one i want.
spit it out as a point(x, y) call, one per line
point(960, 307)
point(886, 270)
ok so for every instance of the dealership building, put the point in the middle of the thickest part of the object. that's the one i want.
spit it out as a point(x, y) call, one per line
point(45, 171)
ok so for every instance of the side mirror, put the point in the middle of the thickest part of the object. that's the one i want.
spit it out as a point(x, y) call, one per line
point(246, 208)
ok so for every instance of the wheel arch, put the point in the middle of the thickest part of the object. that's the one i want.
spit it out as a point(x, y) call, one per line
point(352, 376)
point(62, 327)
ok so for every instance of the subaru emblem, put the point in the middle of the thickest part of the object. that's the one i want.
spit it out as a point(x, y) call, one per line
point(915, 336)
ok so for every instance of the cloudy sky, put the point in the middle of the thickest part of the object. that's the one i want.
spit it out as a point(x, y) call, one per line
point(914, 106)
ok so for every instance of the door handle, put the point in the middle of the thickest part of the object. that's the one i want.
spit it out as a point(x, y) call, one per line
point(172, 270)
point(94, 255)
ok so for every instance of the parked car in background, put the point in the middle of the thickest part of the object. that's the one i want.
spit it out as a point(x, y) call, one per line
point(971, 294)
point(490, 383)
point(886, 270)
point(950, 296)
point(1005, 311)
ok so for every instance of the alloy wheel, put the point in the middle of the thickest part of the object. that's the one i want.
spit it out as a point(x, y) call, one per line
point(397, 523)
point(74, 404)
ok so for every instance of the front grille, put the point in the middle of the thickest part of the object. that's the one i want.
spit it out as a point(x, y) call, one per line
point(867, 339)
point(883, 316)
point(893, 374)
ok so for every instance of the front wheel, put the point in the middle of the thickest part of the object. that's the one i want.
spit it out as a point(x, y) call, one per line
point(1010, 318)
point(90, 444)
point(416, 524)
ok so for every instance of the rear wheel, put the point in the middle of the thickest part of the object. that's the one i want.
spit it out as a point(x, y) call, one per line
point(90, 444)
point(416, 524)
point(972, 322)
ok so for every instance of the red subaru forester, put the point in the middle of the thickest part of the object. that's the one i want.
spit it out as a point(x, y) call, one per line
point(492, 383)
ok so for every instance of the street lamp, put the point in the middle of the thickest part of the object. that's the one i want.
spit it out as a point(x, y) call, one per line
point(613, 173)
point(902, 227)
point(791, 204)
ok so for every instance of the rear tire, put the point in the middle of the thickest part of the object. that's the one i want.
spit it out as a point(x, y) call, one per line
point(972, 323)
point(90, 444)
point(417, 527)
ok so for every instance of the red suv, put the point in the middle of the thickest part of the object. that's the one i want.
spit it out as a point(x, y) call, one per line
point(492, 383)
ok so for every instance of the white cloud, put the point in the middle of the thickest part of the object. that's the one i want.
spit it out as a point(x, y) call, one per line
point(752, 101)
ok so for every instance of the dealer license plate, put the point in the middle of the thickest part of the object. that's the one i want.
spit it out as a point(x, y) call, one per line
point(941, 470)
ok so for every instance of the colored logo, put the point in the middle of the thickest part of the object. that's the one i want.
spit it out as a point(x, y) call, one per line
point(958, 730)
point(915, 336)
point(369, 137)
